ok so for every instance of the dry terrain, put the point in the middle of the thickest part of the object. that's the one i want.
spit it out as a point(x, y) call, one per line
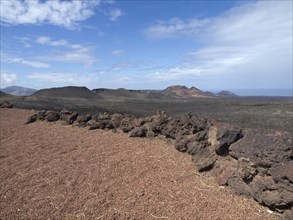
point(53, 171)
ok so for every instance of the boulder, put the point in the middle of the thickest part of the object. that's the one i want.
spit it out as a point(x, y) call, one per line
point(225, 138)
point(224, 169)
point(138, 132)
point(277, 199)
point(6, 104)
point(238, 186)
point(259, 184)
point(242, 176)
point(104, 116)
point(194, 147)
point(246, 169)
point(92, 124)
point(158, 122)
point(32, 119)
point(116, 120)
point(68, 116)
point(287, 215)
point(52, 116)
point(180, 144)
point(282, 171)
point(126, 124)
point(263, 148)
point(170, 129)
point(41, 115)
point(204, 159)
point(83, 119)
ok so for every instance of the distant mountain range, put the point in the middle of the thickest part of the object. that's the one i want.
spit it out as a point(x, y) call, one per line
point(173, 92)
point(18, 91)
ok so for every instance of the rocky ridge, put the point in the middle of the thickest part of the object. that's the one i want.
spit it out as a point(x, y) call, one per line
point(253, 163)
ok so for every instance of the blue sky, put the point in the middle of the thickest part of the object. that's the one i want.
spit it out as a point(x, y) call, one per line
point(212, 45)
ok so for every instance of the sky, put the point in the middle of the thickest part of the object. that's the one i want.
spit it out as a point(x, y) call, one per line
point(212, 45)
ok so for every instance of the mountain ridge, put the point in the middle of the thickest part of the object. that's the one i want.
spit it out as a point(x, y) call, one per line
point(18, 91)
point(171, 92)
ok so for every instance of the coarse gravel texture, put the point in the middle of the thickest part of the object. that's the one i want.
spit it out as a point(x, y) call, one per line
point(53, 171)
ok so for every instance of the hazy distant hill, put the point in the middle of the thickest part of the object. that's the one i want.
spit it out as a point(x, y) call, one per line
point(118, 93)
point(18, 91)
point(226, 94)
point(176, 91)
point(66, 92)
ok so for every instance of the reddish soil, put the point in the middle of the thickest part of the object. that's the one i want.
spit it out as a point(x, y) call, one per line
point(53, 171)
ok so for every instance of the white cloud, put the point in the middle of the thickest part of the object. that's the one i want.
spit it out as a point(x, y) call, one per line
point(11, 59)
point(62, 78)
point(249, 46)
point(7, 79)
point(114, 14)
point(55, 77)
point(82, 55)
point(24, 41)
point(176, 27)
point(66, 14)
point(47, 41)
point(76, 53)
point(117, 52)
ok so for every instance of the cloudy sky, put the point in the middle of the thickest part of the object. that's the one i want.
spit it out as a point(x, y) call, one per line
point(212, 45)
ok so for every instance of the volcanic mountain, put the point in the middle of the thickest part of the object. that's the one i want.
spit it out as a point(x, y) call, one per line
point(66, 92)
point(178, 91)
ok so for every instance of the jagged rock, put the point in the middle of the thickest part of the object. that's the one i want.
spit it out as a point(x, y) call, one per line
point(126, 124)
point(158, 122)
point(225, 138)
point(180, 145)
point(170, 129)
point(277, 199)
point(246, 169)
point(193, 148)
point(68, 116)
point(238, 185)
point(224, 169)
point(41, 115)
point(191, 143)
point(150, 134)
point(83, 119)
point(204, 159)
point(186, 124)
point(138, 132)
point(32, 119)
point(260, 184)
point(6, 104)
point(201, 135)
point(263, 148)
point(92, 124)
point(116, 120)
point(287, 215)
point(242, 176)
point(138, 122)
point(52, 116)
point(282, 171)
point(104, 116)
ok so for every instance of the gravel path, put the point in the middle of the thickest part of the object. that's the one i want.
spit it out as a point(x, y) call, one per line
point(53, 171)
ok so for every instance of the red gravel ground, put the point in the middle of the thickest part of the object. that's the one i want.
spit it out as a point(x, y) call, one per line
point(53, 171)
